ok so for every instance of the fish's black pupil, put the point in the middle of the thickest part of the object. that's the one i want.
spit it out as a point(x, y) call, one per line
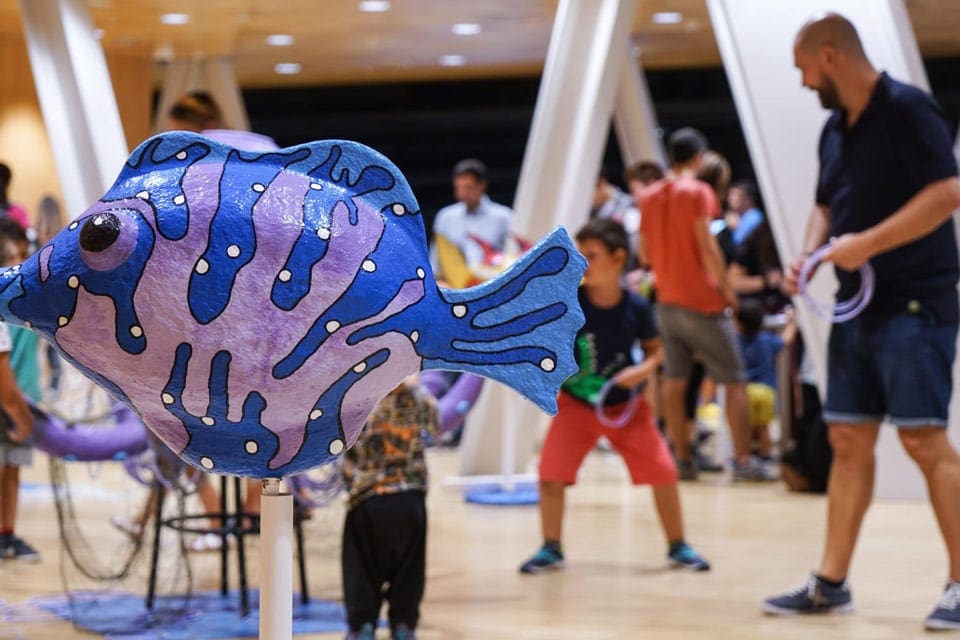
point(100, 231)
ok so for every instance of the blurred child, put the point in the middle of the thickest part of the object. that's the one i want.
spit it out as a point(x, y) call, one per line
point(19, 375)
point(760, 348)
point(385, 531)
point(615, 320)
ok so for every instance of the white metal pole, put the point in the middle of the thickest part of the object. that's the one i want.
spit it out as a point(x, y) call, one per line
point(276, 562)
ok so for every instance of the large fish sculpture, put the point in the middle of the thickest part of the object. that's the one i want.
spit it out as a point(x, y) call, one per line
point(254, 307)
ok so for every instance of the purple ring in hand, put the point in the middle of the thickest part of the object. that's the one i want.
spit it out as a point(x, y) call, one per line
point(843, 310)
point(625, 416)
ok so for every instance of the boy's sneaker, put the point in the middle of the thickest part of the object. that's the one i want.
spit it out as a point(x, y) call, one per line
point(685, 556)
point(545, 559)
point(816, 596)
point(688, 470)
point(366, 632)
point(946, 615)
point(17, 549)
point(753, 471)
point(403, 632)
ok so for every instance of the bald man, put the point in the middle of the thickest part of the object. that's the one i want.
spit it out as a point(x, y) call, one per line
point(886, 191)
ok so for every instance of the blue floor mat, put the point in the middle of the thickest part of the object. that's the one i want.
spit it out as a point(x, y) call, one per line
point(206, 616)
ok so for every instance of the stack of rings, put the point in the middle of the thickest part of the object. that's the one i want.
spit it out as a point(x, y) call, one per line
point(846, 309)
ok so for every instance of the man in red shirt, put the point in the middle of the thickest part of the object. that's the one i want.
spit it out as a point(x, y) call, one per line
point(693, 297)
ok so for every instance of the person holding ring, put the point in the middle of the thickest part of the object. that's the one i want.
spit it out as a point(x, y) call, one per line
point(886, 192)
point(615, 319)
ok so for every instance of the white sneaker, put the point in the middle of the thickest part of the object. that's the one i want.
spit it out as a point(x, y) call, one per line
point(206, 542)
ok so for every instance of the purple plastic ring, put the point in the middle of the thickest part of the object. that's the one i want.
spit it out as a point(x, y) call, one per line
point(845, 309)
point(625, 416)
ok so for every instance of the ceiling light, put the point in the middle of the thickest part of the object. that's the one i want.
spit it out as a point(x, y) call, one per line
point(280, 40)
point(288, 68)
point(174, 18)
point(374, 6)
point(466, 29)
point(452, 60)
point(667, 17)
point(98, 34)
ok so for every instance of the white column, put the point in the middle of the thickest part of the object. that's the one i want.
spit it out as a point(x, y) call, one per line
point(222, 84)
point(634, 118)
point(276, 562)
point(569, 132)
point(76, 98)
point(782, 121)
point(214, 75)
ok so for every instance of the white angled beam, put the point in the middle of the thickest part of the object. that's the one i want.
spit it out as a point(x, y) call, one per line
point(214, 75)
point(76, 98)
point(572, 117)
point(634, 118)
point(570, 126)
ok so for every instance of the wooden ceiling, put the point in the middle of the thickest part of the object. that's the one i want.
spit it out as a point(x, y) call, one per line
point(336, 43)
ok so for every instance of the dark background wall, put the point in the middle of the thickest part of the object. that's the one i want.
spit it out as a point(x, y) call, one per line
point(426, 128)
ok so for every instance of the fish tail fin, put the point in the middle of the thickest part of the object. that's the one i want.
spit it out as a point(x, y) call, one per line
point(519, 327)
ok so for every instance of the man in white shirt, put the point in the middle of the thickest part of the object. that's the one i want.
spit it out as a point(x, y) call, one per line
point(475, 225)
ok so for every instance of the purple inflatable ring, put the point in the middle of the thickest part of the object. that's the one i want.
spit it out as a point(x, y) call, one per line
point(122, 435)
point(453, 401)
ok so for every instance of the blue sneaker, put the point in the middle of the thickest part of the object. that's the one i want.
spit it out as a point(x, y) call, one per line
point(816, 596)
point(946, 615)
point(546, 558)
point(403, 632)
point(685, 556)
point(366, 632)
point(16, 549)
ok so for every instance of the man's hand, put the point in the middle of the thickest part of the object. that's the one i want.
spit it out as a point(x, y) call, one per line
point(849, 251)
point(791, 279)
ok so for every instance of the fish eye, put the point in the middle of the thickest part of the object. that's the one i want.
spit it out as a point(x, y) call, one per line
point(107, 238)
point(100, 231)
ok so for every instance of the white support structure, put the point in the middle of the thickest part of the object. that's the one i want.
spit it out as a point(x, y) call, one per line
point(276, 562)
point(570, 125)
point(76, 97)
point(214, 75)
point(782, 121)
point(634, 118)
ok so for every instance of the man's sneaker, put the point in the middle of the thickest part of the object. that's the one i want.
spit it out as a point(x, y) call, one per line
point(683, 555)
point(403, 632)
point(946, 615)
point(17, 549)
point(545, 559)
point(816, 596)
point(753, 471)
point(366, 632)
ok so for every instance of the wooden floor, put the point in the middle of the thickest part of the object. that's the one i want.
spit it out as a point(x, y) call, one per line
point(760, 539)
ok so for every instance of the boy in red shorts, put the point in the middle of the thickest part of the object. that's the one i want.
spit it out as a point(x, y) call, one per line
point(615, 320)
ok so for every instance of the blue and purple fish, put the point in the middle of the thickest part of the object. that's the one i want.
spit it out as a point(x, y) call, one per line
point(254, 307)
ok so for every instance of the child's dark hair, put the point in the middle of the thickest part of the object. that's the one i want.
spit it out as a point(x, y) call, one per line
point(750, 317)
point(198, 108)
point(610, 232)
point(684, 144)
point(10, 233)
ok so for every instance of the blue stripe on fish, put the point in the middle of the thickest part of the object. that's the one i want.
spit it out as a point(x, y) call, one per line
point(232, 240)
point(511, 322)
point(136, 178)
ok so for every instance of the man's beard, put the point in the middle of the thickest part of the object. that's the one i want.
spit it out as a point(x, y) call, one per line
point(829, 97)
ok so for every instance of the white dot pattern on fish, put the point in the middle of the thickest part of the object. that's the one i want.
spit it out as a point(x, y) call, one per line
point(224, 338)
point(346, 255)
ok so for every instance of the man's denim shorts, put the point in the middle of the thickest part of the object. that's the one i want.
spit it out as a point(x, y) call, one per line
point(896, 368)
